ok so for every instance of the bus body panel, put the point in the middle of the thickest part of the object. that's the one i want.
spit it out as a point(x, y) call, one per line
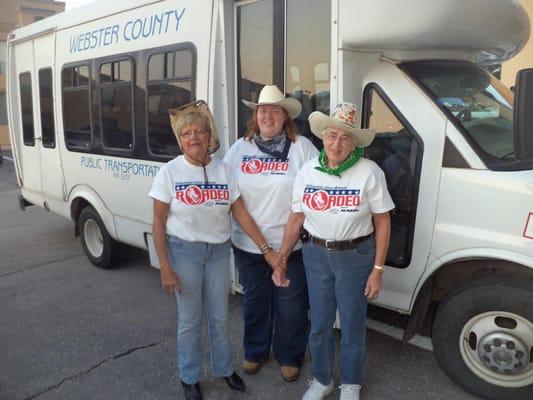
point(122, 183)
point(480, 209)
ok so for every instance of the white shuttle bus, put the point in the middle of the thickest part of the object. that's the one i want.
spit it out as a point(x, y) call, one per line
point(89, 90)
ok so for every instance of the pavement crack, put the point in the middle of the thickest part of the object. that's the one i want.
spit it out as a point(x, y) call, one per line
point(40, 265)
point(90, 369)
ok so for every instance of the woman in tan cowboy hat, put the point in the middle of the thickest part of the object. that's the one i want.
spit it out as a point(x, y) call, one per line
point(265, 163)
point(341, 199)
point(193, 195)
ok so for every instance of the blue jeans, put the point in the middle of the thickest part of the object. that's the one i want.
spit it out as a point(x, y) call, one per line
point(337, 279)
point(203, 269)
point(273, 315)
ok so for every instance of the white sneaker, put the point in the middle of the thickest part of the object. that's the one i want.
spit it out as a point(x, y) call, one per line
point(317, 391)
point(350, 392)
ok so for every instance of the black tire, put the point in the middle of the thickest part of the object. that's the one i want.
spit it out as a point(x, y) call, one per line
point(487, 311)
point(97, 244)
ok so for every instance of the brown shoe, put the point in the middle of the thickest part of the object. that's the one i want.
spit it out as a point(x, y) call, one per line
point(250, 367)
point(289, 374)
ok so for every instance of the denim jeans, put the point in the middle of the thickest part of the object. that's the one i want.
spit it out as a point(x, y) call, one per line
point(273, 315)
point(203, 269)
point(337, 280)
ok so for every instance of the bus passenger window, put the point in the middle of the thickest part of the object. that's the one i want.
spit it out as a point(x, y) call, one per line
point(76, 107)
point(26, 105)
point(170, 84)
point(47, 108)
point(116, 99)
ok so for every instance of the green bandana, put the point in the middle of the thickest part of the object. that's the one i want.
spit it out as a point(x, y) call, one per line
point(337, 171)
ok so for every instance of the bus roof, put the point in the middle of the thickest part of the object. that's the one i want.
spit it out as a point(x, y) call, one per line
point(482, 30)
point(486, 30)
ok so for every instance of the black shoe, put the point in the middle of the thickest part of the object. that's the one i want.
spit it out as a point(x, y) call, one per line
point(235, 382)
point(192, 392)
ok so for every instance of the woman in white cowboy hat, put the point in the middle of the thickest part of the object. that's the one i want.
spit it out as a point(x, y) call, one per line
point(265, 163)
point(193, 195)
point(341, 199)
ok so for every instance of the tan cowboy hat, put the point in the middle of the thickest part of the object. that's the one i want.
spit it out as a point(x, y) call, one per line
point(345, 118)
point(198, 106)
point(272, 96)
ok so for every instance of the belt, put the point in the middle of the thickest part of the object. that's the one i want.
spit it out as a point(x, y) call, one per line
point(338, 244)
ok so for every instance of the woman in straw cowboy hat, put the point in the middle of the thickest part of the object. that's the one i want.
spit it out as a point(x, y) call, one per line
point(265, 163)
point(341, 200)
point(193, 195)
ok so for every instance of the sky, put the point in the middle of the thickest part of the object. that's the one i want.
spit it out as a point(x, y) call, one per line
point(70, 4)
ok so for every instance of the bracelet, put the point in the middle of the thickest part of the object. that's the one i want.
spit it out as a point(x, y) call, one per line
point(268, 250)
point(379, 267)
point(265, 248)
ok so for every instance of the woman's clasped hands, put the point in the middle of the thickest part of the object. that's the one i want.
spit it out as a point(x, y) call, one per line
point(278, 263)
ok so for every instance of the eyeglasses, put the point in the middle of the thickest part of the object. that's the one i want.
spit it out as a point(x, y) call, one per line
point(343, 139)
point(191, 133)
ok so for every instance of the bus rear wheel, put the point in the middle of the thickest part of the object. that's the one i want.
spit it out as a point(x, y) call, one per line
point(97, 244)
point(483, 338)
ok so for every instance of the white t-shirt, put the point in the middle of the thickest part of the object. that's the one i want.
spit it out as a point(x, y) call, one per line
point(198, 212)
point(266, 186)
point(341, 208)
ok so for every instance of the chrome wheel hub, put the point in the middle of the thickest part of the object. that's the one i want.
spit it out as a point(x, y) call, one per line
point(497, 347)
point(503, 353)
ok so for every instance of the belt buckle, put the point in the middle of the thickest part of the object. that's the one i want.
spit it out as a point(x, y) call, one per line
point(327, 243)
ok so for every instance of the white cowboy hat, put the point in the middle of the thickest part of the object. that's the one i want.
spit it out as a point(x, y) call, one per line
point(272, 96)
point(345, 118)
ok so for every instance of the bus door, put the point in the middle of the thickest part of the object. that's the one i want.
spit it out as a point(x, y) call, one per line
point(27, 140)
point(45, 123)
point(273, 48)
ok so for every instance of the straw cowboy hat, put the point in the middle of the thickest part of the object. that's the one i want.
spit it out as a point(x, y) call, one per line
point(272, 96)
point(345, 118)
point(200, 107)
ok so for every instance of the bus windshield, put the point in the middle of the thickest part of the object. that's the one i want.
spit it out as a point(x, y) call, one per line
point(476, 102)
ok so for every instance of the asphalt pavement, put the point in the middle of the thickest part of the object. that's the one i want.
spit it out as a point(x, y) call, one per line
point(71, 331)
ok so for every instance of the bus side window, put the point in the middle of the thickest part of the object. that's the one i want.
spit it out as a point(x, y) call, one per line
point(170, 84)
point(77, 107)
point(26, 105)
point(397, 151)
point(47, 108)
point(116, 102)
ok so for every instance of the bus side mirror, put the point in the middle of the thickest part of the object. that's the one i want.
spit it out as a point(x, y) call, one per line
point(523, 115)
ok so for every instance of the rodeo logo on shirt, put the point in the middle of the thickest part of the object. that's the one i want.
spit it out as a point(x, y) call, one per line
point(254, 165)
point(334, 199)
point(196, 194)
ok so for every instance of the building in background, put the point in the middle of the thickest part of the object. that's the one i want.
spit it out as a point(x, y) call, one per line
point(13, 14)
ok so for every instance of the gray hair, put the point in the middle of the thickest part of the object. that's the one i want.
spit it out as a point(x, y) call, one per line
point(193, 118)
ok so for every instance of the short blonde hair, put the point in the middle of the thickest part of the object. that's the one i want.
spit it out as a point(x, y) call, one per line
point(196, 112)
